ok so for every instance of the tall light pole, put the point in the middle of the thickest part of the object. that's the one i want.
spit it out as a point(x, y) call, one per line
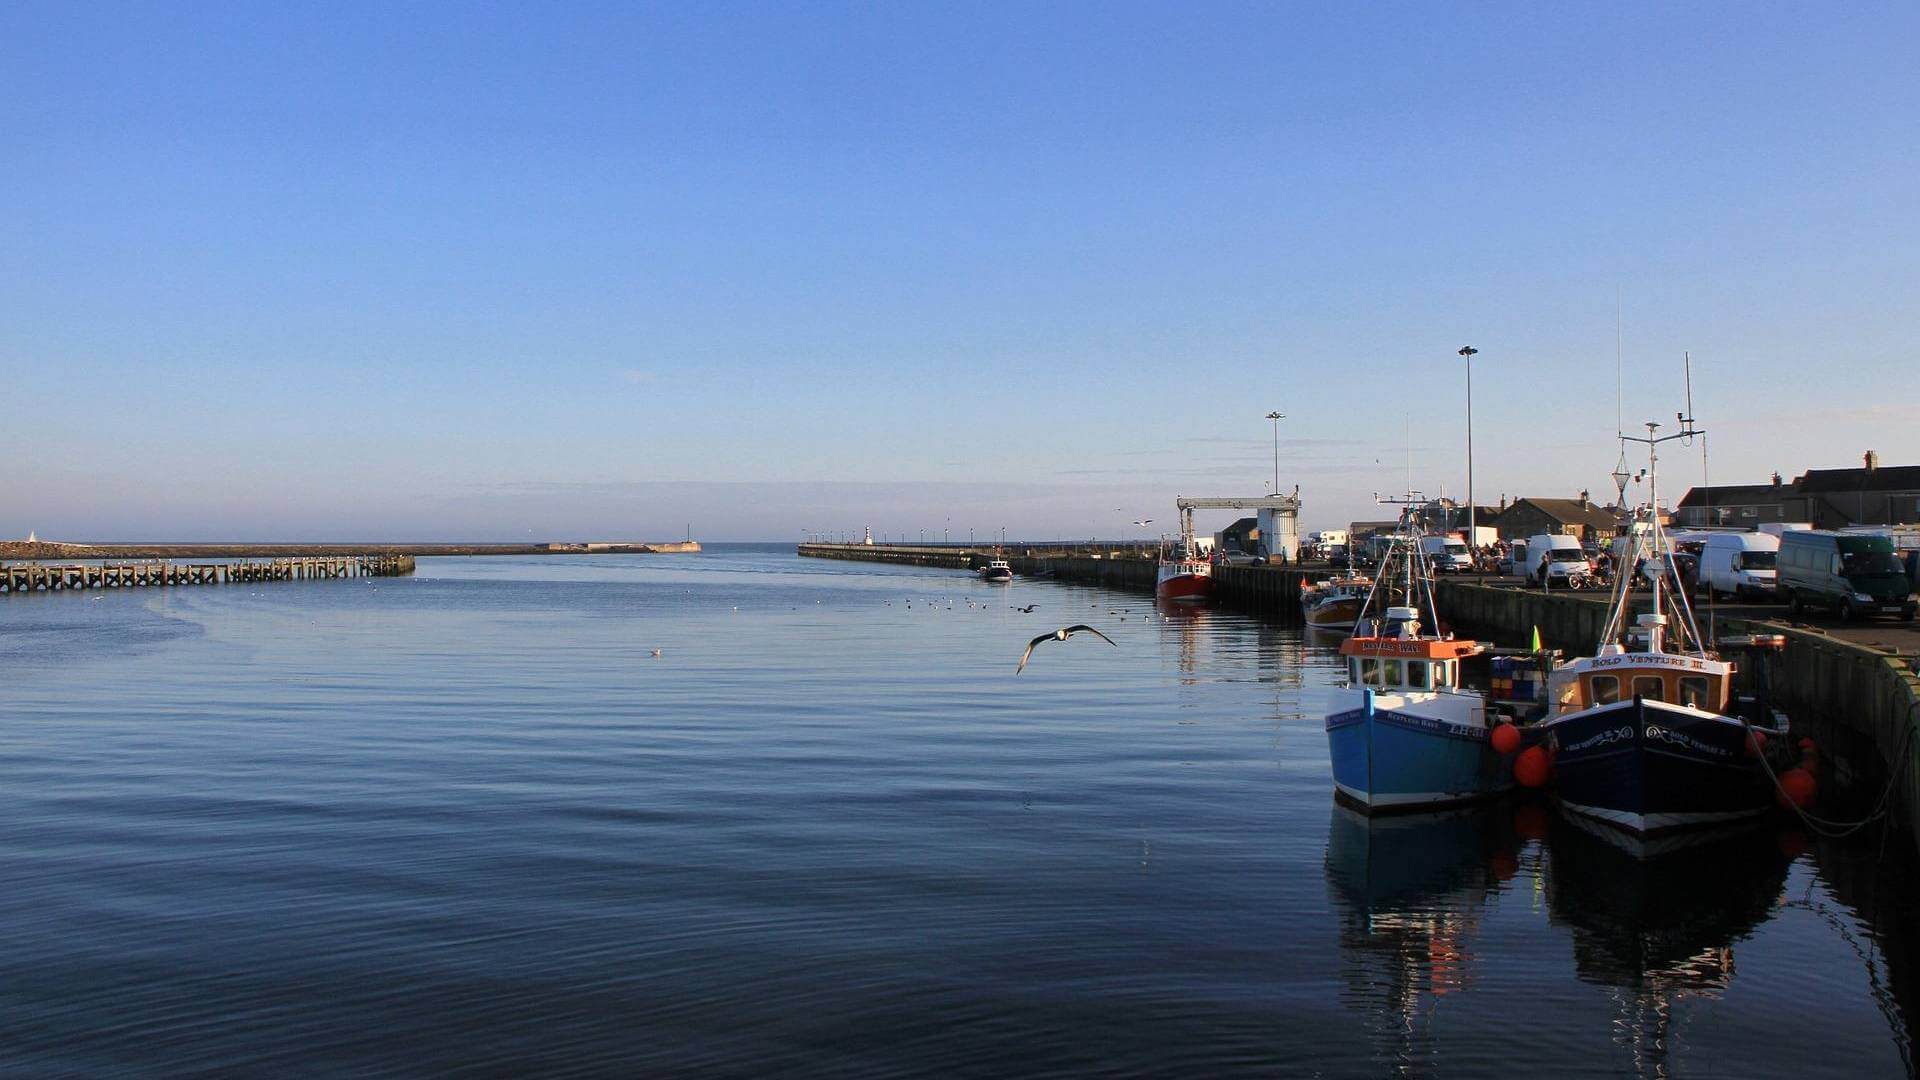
point(1473, 519)
point(1276, 417)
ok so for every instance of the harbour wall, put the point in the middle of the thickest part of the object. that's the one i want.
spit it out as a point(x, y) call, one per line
point(1268, 591)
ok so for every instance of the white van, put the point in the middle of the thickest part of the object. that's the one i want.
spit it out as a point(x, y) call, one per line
point(1447, 553)
point(1555, 557)
point(1739, 564)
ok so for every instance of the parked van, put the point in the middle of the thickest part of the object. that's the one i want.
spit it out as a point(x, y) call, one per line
point(1555, 557)
point(1854, 575)
point(1739, 564)
point(1448, 554)
point(1776, 528)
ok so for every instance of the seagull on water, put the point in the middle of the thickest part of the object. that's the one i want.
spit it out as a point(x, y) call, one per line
point(1061, 634)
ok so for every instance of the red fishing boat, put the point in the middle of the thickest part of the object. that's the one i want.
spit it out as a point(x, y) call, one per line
point(1184, 573)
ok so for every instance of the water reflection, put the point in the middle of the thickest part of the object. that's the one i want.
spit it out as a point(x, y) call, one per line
point(1658, 924)
point(1188, 622)
point(1410, 891)
point(1654, 925)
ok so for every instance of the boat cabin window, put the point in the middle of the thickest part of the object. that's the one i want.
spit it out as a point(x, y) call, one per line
point(1417, 674)
point(1694, 690)
point(1649, 687)
point(1370, 671)
point(1606, 689)
point(1391, 673)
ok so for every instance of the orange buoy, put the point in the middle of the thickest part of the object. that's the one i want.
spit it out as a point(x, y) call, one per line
point(1505, 738)
point(1532, 767)
point(1756, 743)
point(1798, 788)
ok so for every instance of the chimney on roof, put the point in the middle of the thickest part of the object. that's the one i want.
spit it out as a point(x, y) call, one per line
point(1776, 480)
point(1873, 461)
point(1583, 498)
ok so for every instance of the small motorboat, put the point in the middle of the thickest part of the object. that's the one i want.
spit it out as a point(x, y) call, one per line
point(1335, 604)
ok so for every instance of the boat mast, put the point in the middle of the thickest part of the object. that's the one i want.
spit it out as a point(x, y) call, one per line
point(1656, 537)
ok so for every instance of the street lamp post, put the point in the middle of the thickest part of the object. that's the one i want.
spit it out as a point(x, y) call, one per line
point(1473, 520)
point(1276, 417)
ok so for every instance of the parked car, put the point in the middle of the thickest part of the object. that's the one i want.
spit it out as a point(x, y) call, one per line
point(1854, 575)
point(1337, 556)
point(1739, 564)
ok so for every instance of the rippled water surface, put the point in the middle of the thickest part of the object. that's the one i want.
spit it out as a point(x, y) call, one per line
point(466, 821)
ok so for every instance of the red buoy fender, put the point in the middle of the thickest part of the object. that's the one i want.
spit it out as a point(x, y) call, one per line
point(1798, 788)
point(1505, 738)
point(1532, 768)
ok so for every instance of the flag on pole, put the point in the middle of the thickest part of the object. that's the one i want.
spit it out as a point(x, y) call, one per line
point(1536, 638)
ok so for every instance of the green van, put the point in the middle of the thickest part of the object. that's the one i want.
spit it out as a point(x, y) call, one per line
point(1855, 574)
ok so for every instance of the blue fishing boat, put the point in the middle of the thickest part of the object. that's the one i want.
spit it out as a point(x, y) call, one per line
point(1407, 735)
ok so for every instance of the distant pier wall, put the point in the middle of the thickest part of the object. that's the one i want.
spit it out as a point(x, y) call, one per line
point(61, 577)
point(1272, 592)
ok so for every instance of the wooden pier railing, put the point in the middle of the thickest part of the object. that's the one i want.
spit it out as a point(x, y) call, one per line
point(52, 577)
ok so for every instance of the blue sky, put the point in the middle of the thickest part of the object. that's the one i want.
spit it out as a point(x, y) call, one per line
point(493, 271)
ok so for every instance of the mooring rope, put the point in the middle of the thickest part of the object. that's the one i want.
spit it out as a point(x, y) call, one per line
point(1836, 830)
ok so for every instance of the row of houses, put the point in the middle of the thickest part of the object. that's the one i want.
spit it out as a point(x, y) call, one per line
point(1823, 498)
point(1515, 520)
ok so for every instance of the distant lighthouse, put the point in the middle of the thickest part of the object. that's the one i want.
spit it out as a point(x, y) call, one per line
point(869, 540)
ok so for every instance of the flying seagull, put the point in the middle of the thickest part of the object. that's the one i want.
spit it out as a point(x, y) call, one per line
point(1061, 634)
point(1028, 610)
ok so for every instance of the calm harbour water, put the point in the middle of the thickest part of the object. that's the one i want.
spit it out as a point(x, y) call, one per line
point(466, 822)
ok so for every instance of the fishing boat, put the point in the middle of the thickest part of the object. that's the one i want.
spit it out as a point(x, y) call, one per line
point(1406, 734)
point(1646, 734)
point(1334, 605)
point(1183, 574)
point(996, 570)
